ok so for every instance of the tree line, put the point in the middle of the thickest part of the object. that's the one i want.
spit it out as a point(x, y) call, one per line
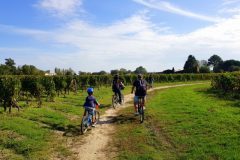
point(192, 65)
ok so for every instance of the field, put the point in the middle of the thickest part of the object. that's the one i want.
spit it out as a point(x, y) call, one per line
point(187, 122)
point(182, 123)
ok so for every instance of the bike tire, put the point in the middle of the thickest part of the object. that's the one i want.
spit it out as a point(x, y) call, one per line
point(123, 99)
point(114, 102)
point(84, 125)
point(141, 114)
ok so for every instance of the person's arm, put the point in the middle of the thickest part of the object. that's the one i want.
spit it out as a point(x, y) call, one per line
point(96, 102)
point(134, 84)
point(132, 89)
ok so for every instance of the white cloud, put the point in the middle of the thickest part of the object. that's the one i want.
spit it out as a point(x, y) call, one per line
point(135, 41)
point(230, 2)
point(60, 8)
point(168, 7)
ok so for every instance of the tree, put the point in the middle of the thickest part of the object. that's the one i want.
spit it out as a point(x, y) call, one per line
point(140, 70)
point(204, 69)
point(227, 66)
point(123, 71)
point(9, 62)
point(203, 63)
point(115, 71)
point(191, 65)
point(10, 66)
point(214, 60)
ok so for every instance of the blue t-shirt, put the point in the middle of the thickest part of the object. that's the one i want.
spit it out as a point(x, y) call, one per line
point(90, 102)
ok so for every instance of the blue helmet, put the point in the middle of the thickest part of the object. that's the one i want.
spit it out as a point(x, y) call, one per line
point(90, 90)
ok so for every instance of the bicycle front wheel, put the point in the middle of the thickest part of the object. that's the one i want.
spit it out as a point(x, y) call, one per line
point(84, 125)
point(114, 102)
point(122, 99)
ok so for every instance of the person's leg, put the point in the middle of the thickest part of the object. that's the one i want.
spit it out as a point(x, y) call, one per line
point(136, 104)
point(119, 95)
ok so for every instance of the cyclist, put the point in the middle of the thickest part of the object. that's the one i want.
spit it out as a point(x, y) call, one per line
point(90, 104)
point(117, 86)
point(150, 81)
point(141, 91)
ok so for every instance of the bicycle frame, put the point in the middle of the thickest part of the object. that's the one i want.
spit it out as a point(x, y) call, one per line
point(87, 119)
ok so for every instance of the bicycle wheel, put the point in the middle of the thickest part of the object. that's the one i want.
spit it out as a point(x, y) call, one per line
point(122, 98)
point(84, 124)
point(141, 114)
point(140, 109)
point(114, 101)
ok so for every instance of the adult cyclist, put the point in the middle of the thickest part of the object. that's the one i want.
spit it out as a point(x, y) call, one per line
point(117, 86)
point(140, 87)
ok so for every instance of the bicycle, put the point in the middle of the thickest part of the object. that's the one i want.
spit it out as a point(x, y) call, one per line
point(87, 120)
point(115, 100)
point(141, 108)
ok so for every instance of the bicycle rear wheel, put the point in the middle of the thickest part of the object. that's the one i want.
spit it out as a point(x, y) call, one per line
point(84, 125)
point(141, 114)
point(140, 109)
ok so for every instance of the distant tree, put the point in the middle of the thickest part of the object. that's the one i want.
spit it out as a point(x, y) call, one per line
point(115, 71)
point(10, 66)
point(83, 73)
point(5, 70)
point(29, 70)
point(102, 73)
point(168, 71)
point(214, 60)
point(69, 72)
point(9, 62)
point(227, 66)
point(123, 71)
point(203, 66)
point(191, 65)
point(140, 70)
point(173, 70)
point(99, 73)
point(204, 69)
point(202, 63)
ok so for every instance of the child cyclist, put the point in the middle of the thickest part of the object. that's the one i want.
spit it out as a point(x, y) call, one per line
point(90, 105)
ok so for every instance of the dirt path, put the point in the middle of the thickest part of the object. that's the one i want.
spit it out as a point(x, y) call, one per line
point(94, 144)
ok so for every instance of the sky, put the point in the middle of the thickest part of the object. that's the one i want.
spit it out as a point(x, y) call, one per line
point(94, 35)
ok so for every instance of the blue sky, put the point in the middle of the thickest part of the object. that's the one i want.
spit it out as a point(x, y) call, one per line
point(93, 35)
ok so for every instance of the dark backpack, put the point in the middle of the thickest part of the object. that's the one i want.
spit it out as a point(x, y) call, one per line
point(142, 87)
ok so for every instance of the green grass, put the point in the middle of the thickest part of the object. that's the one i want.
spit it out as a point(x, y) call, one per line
point(29, 134)
point(39, 133)
point(182, 123)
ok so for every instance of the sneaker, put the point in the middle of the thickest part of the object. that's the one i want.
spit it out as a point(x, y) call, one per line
point(93, 125)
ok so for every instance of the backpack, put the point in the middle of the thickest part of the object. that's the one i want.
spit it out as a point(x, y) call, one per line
point(142, 87)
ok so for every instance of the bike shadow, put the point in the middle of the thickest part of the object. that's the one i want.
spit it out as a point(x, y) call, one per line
point(72, 131)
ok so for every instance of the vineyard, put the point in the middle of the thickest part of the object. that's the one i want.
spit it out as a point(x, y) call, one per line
point(14, 88)
point(228, 83)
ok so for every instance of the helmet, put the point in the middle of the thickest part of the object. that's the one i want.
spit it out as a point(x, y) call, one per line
point(90, 90)
point(140, 76)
